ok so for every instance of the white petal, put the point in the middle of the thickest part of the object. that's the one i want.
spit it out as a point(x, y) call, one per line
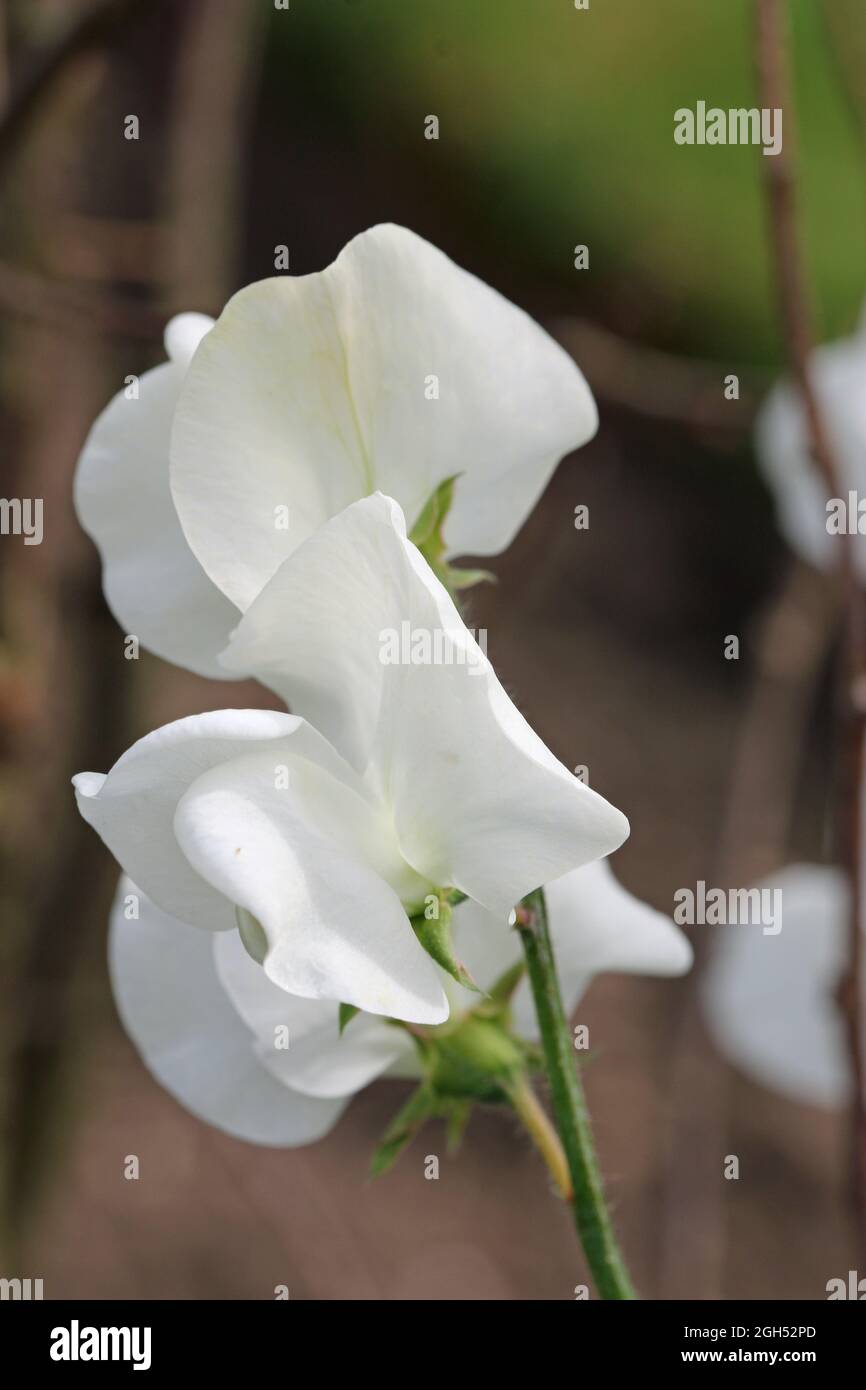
point(478, 800)
point(153, 583)
point(770, 1001)
point(315, 632)
point(298, 858)
point(310, 393)
point(595, 925)
point(132, 808)
point(191, 1037)
point(486, 944)
point(838, 372)
point(318, 1060)
point(183, 334)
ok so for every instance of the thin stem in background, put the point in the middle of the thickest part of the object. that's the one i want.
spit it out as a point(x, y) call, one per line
point(658, 385)
point(791, 645)
point(591, 1215)
point(780, 180)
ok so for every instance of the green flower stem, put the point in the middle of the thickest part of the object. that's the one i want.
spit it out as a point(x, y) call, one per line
point(591, 1215)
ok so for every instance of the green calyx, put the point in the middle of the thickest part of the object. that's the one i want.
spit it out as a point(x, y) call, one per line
point(427, 535)
point(432, 925)
point(472, 1059)
point(478, 1061)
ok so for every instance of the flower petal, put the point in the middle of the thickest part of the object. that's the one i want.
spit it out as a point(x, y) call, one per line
point(153, 583)
point(770, 1001)
point(478, 799)
point(298, 858)
point(132, 807)
point(319, 1060)
point(838, 371)
point(183, 336)
point(312, 391)
point(595, 925)
point(191, 1037)
point(315, 631)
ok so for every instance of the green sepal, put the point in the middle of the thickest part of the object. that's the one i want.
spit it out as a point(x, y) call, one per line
point(436, 937)
point(427, 535)
point(421, 1106)
point(477, 1061)
point(347, 1013)
point(456, 1120)
point(456, 579)
point(427, 531)
point(505, 987)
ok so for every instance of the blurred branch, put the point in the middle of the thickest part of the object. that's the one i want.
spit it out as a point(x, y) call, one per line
point(771, 37)
point(218, 56)
point(29, 295)
point(90, 31)
point(53, 620)
point(657, 385)
point(779, 182)
point(24, 293)
point(792, 642)
point(4, 55)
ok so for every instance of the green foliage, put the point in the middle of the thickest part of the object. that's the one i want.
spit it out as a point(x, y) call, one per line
point(473, 1059)
point(420, 1106)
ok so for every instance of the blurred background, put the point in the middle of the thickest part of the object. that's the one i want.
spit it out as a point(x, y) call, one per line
point(261, 127)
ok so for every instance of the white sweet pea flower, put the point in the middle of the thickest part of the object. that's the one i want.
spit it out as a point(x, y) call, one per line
point(771, 1001)
point(272, 1068)
point(431, 779)
point(838, 372)
point(392, 370)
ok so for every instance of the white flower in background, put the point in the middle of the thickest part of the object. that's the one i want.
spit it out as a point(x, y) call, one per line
point(431, 779)
point(392, 370)
point(213, 1029)
point(838, 372)
point(771, 1001)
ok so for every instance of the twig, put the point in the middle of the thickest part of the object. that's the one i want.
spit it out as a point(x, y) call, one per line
point(29, 295)
point(4, 56)
point(792, 642)
point(216, 66)
point(654, 384)
point(779, 173)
